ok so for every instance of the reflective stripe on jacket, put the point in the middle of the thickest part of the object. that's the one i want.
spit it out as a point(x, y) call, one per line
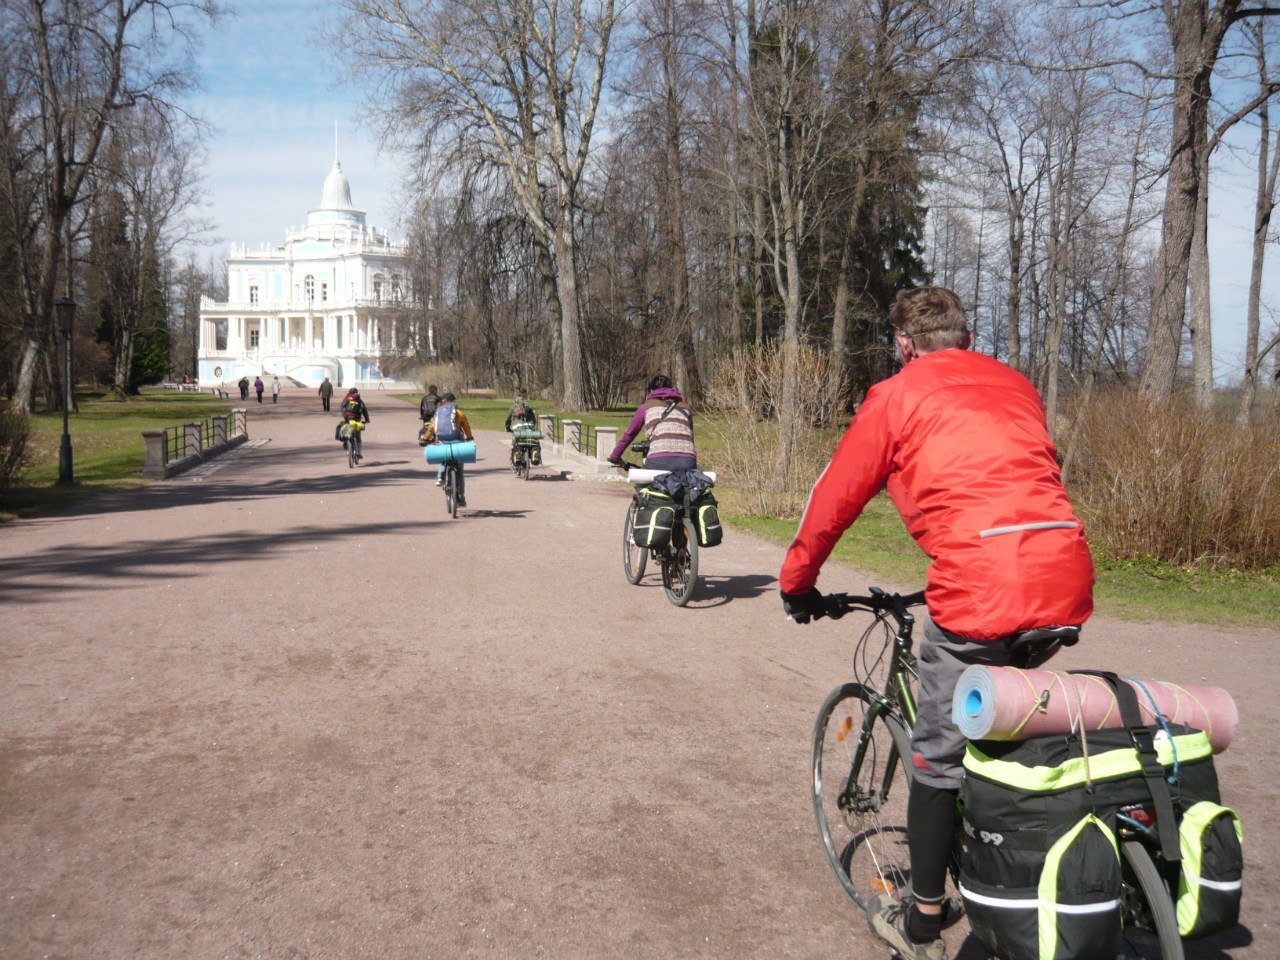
point(960, 442)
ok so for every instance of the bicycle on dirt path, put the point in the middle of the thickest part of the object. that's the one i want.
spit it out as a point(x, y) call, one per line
point(677, 557)
point(350, 432)
point(526, 451)
point(450, 485)
point(861, 774)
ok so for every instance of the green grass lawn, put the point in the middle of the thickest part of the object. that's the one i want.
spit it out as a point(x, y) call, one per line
point(106, 445)
point(1126, 589)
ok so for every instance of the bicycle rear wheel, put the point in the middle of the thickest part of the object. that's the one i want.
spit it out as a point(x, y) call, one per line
point(451, 490)
point(633, 558)
point(861, 777)
point(1151, 924)
point(352, 456)
point(680, 565)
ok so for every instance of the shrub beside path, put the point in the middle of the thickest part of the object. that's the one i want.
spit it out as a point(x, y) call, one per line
point(287, 709)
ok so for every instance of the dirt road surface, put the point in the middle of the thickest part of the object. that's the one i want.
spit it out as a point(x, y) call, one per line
point(281, 708)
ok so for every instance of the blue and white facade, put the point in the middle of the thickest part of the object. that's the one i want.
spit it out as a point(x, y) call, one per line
point(331, 302)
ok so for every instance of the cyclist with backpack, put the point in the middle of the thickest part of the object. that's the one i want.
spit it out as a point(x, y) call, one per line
point(447, 425)
point(427, 408)
point(960, 442)
point(668, 423)
point(353, 408)
point(521, 416)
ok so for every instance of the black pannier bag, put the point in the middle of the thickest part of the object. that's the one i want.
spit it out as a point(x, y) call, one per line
point(706, 520)
point(654, 520)
point(1040, 866)
point(1211, 881)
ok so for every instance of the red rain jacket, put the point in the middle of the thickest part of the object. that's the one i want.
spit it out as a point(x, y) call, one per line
point(960, 442)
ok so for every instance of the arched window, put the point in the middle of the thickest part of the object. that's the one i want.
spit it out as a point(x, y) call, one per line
point(309, 288)
point(378, 282)
point(396, 294)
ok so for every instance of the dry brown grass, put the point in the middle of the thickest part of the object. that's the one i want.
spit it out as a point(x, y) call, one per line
point(745, 434)
point(1168, 481)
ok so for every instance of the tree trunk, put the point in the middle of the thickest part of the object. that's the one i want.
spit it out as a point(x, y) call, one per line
point(840, 322)
point(1201, 309)
point(572, 395)
point(690, 381)
point(1263, 204)
point(1013, 297)
point(1196, 35)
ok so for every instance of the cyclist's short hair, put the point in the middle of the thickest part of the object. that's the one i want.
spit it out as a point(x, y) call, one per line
point(660, 382)
point(431, 388)
point(933, 317)
point(449, 398)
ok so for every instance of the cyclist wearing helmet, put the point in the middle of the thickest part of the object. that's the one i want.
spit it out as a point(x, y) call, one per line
point(668, 423)
point(960, 442)
point(353, 408)
point(449, 424)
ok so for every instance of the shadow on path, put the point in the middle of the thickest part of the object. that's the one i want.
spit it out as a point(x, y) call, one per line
point(54, 575)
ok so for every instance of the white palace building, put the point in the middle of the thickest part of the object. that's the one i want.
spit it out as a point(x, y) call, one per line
point(330, 303)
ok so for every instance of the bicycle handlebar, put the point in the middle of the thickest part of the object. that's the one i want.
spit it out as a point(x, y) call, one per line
point(836, 605)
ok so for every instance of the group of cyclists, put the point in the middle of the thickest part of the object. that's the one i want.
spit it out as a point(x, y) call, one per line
point(960, 443)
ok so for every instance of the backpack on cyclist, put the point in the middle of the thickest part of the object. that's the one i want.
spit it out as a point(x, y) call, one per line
point(446, 421)
point(1041, 864)
point(655, 518)
point(427, 408)
point(706, 520)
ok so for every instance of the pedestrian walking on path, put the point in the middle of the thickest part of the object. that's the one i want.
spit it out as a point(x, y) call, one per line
point(244, 388)
point(326, 393)
point(258, 387)
point(275, 389)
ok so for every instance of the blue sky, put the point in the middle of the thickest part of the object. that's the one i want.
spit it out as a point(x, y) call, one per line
point(273, 90)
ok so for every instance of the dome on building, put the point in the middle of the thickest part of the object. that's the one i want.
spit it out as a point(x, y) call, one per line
point(337, 190)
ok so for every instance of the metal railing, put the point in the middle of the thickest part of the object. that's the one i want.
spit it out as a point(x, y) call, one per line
point(575, 434)
point(188, 439)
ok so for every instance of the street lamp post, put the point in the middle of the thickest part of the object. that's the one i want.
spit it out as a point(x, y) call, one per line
point(66, 308)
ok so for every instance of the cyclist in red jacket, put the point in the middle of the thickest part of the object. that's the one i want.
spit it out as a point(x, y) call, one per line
point(959, 440)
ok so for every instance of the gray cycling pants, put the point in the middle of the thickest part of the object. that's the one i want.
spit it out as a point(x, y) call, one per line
point(937, 745)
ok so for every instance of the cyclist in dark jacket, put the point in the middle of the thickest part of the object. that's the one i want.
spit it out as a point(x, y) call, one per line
point(427, 408)
point(353, 408)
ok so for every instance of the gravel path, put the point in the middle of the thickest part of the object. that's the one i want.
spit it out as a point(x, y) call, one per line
point(280, 708)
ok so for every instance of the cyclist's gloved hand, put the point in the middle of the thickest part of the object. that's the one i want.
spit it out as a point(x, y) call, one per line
point(616, 461)
point(803, 607)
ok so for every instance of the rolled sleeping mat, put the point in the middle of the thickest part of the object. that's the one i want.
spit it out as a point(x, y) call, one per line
point(527, 433)
point(1006, 703)
point(642, 475)
point(463, 451)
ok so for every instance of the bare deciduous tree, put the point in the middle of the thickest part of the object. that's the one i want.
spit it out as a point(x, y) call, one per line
point(517, 82)
point(79, 65)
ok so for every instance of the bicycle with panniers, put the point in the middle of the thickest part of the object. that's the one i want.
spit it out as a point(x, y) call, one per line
point(349, 431)
point(1110, 845)
point(671, 515)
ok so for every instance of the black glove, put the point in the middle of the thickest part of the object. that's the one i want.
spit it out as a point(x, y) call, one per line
point(803, 607)
point(616, 461)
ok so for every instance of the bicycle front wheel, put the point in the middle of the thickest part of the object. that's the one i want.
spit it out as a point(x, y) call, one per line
point(633, 558)
point(861, 777)
point(680, 566)
point(451, 490)
point(1151, 924)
